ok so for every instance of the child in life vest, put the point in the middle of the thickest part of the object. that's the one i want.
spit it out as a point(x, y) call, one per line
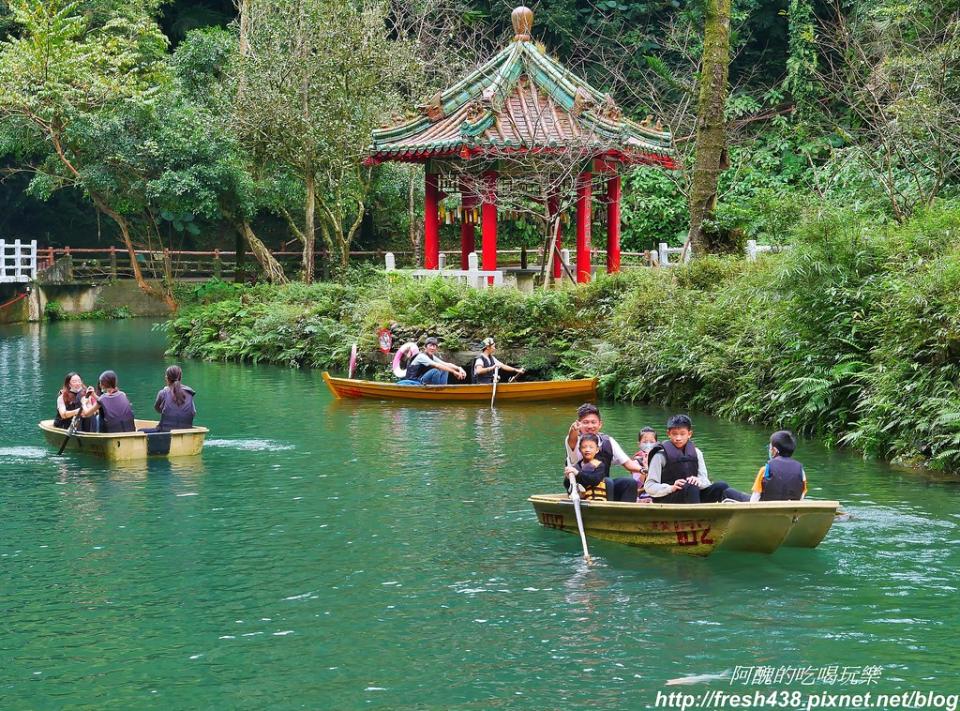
point(646, 440)
point(782, 478)
point(677, 473)
point(591, 473)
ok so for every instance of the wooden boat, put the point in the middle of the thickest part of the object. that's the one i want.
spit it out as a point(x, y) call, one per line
point(537, 390)
point(700, 529)
point(128, 446)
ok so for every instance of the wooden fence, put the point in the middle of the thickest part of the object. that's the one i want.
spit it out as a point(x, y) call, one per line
point(18, 261)
point(67, 264)
point(22, 261)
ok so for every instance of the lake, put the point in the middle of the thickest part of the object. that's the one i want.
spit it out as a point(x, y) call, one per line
point(349, 554)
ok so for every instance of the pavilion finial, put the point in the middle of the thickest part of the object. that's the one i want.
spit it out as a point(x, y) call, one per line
point(522, 18)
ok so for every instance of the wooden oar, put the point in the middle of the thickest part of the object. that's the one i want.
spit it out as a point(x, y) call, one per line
point(496, 379)
point(575, 497)
point(70, 433)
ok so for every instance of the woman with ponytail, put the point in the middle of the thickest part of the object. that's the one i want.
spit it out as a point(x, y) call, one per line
point(175, 403)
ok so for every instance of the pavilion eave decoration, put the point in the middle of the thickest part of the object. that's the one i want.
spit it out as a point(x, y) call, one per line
point(521, 99)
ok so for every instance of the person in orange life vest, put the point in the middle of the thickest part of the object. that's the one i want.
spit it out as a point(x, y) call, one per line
point(677, 474)
point(782, 478)
point(588, 422)
point(590, 473)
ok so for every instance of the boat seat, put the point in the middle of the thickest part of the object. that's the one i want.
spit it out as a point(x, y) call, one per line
point(158, 442)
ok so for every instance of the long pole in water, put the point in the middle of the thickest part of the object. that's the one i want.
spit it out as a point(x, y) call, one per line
point(496, 379)
point(70, 430)
point(575, 497)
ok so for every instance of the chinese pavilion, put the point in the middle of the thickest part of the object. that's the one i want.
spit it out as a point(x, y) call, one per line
point(521, 102)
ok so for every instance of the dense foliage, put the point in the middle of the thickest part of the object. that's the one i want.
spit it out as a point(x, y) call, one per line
point(315, 325)
point(853, 334)
point(857, 103)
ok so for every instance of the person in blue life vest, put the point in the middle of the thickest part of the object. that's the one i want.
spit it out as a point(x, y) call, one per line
point(588, 422)
point(591, 474)
point(486, 365)
point(782, 478)
point(677, 474)
point(427, 368)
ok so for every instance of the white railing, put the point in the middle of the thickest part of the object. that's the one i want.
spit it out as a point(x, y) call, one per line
point(664, 252)
point(753, 249)
point(473, 275)
point(18, 261)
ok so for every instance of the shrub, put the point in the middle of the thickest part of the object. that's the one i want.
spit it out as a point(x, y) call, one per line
point(853, 334)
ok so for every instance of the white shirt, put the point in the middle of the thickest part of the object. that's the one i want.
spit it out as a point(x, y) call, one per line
point(478, 363)
point(656, 488)
point(573, 455)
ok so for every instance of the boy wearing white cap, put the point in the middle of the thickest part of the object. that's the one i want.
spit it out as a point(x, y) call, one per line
point(486, 365)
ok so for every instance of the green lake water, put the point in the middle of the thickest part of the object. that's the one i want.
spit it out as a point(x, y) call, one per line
point(347, 555)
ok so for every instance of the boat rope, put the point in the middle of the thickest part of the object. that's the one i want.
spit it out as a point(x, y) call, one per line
point(14, 300)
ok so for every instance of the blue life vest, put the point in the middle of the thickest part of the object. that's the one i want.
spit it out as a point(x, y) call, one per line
point(782, 480)
point(416, 371)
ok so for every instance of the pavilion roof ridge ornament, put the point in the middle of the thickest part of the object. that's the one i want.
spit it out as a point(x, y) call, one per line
point(522, 19)
point(521, 98)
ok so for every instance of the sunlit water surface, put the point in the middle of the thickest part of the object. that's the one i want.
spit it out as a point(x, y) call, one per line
point(324, 554)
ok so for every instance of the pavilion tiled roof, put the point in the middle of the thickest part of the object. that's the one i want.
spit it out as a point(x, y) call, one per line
point(521, 100)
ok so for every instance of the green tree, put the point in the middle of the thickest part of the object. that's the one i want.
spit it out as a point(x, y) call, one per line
point(63, 77)
point(205, 95)
point(314, 78)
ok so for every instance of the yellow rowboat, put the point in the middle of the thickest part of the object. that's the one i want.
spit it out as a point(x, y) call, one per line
point(700, 529)
point(129, 446)
point(537, 390)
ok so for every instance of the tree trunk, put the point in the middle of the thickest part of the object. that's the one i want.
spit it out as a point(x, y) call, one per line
point(243, 9)
point(271, 267)
point(128, 243)
point(101, 205)
point(710, 149)
point(309, 224)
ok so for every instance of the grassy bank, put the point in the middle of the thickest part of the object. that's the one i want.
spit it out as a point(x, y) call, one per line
point(852, 335)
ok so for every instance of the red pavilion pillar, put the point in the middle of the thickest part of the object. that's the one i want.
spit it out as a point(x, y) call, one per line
point(468, 232)
point(488, 222)
point(553, 210)
point(431, 222)
point(584, 217)
point(613, 223)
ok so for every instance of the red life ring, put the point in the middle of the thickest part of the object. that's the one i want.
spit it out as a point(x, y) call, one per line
point(407, 351)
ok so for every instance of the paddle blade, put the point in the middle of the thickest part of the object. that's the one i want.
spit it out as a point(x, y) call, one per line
point(575, 497)
point(70, 430)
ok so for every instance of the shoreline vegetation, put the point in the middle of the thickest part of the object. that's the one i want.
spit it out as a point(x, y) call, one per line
point(851, 335)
